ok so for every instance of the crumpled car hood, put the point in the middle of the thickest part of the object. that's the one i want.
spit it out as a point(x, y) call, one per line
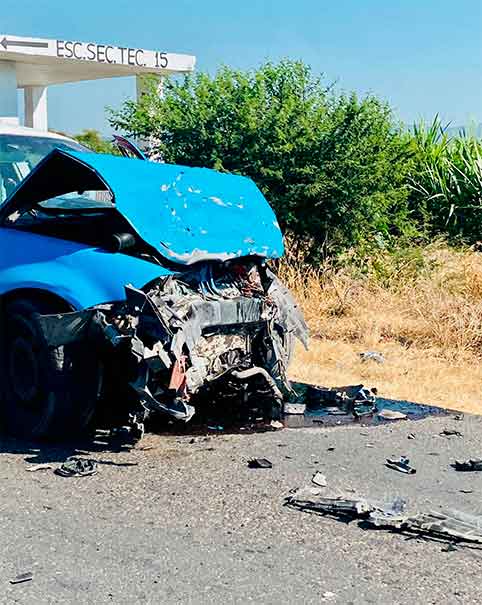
point(186, 214)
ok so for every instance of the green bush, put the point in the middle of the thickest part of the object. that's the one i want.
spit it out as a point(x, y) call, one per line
point(92, 139)
point(334, 167)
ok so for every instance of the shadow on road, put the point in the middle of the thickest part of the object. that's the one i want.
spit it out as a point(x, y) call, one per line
point(213, 419)
point(41, 452)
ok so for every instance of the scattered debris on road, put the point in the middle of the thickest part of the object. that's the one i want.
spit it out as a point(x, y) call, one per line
point(354, 399)
point(319, 479)
point(260, 463)
point(22, 577)
point(391, 415)
point(401, 464)
point(294, 408)
point(450, 433)
point(449, 525)
point(410, 436)
point(468, 465)
point(328, 595)
point(77, 467)
point(39, 467)
point(276, 425)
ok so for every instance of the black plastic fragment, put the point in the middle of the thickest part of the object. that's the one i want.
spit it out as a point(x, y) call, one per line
point(401, 464)
point(22, 577)
point(468, 465)
point(260, 463)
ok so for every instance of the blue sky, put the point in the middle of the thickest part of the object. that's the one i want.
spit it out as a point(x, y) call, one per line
point(423, 56)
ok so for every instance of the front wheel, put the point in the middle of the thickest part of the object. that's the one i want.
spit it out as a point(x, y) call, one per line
point(47, 392)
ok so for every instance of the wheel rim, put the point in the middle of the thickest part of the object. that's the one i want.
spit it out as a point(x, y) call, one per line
point(24, 371)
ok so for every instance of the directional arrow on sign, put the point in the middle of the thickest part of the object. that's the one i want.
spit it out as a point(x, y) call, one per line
point(23, 43)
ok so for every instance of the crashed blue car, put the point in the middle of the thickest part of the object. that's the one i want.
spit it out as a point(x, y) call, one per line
point(139, 287)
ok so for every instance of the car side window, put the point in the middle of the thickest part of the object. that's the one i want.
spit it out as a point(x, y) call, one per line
point(19, 154)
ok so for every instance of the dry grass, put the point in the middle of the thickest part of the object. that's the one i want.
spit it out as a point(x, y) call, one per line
point(422, 310)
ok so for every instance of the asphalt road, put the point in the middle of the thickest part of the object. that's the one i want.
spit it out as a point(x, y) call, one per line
point(179, 522)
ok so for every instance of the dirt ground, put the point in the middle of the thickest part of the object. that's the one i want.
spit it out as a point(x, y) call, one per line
point(408, 373)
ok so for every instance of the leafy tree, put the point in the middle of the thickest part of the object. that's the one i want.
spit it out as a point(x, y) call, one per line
point(92, 139)
point(332, 166)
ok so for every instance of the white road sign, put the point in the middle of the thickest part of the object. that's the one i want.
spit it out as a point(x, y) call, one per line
point(38, 50)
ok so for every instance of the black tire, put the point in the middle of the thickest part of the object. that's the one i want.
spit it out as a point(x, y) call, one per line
point(47, 392)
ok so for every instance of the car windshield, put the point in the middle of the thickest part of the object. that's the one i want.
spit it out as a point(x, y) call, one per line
point(20, 154)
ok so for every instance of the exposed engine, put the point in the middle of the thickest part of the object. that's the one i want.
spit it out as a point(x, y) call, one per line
point(220, 329)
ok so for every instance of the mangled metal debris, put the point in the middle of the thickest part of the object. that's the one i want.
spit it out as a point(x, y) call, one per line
point(220, 330)
point(437, 525)
point(356, 400)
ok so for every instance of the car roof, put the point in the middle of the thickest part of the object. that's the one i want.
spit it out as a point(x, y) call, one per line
point(30, 132)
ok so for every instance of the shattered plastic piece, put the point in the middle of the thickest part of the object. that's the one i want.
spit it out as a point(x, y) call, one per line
point(276, 424)
point(77, 467)
point(38, 467)
point(402, 465)
point(319, 479)
point(307, 490)
point(468, 465)
point(328, 595)
point(410, 436)
point(391, 415)
point(22, 577)
point(442, 525)
point(450, 433)
point(294, 408)
point(372, 356)
point(259, 463)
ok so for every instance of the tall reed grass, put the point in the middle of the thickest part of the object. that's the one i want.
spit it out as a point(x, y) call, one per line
point(447, 181)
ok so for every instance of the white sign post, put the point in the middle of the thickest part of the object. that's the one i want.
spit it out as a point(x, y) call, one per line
point(35, 63)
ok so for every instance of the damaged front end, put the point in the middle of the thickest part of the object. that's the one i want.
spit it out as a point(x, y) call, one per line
point(217, 330)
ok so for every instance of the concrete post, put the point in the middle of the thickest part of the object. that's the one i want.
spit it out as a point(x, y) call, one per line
point(36, 107)
point(8, 93)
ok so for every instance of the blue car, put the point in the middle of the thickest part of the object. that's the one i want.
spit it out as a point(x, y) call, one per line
point(130, 287)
